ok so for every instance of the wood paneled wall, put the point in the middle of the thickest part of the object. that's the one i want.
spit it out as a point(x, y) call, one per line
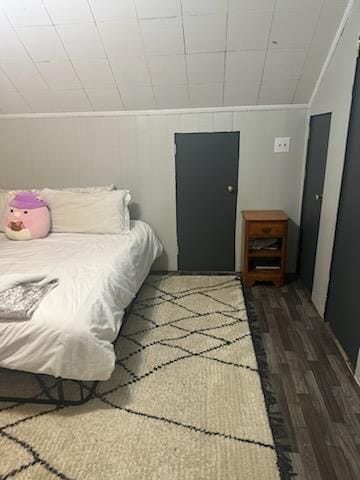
point(137, 152)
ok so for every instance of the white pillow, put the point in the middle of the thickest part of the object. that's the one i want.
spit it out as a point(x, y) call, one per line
point(4, 195)
point(105, 188)
point(105, 212)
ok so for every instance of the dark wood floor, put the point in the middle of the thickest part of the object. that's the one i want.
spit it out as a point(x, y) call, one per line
point(318, 395)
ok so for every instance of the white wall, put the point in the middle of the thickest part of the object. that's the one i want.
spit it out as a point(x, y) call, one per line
point(137, 152)
point(334, 95)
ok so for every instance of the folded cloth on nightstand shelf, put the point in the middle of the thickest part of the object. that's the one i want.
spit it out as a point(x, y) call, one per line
point(264, 243)
point(20, 295)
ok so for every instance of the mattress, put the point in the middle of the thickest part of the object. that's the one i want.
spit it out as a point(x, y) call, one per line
point(70, 335)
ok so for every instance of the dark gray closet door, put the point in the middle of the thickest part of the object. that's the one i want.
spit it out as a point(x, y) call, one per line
point(312, 196)
point(343, 306)
point(206, 193)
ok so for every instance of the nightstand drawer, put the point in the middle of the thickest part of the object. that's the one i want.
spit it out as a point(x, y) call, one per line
point(267, 229)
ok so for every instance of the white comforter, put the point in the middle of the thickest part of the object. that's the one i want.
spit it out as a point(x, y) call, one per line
point(71, 333)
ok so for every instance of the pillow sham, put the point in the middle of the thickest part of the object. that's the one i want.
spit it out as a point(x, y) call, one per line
point(102, 212)
point(105, 188)
point(4, 198)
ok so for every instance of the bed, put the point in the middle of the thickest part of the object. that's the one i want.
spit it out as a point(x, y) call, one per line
point(71, 334)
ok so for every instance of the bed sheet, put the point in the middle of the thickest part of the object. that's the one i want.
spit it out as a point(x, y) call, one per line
point(71, 333)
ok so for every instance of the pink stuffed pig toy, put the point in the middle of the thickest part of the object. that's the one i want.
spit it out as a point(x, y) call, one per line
point(27, 217)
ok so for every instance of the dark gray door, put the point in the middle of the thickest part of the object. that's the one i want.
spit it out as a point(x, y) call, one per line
point(343, 305)
point(312, 195)
point(206, 192)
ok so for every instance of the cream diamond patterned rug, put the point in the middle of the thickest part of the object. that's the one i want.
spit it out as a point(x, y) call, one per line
point(186, 402)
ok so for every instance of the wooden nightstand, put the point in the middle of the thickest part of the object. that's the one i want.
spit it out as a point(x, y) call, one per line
point(264, 246)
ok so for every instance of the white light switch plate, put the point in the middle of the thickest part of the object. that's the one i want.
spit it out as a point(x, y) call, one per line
point(282, 145)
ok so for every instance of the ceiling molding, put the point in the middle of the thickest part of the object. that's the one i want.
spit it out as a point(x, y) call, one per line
point(172, 111)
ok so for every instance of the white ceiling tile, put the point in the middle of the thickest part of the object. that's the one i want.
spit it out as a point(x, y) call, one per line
point(254, 5)
point(81, 41)
point(109, 55)
point(59, 75)
point(5, 84)
point(206, 67)
point(242, 93)
point(24, 76)
point(105, 99)
point(113, 9)
point(295, 4)
point(277, 93)
point(131, 70)
point(4, 22)
point(283, 63)
point(310, 73)
point(330, 18)
point(205, 33)
point(58, 101)
point(249, 30)
point(203, 7)
point(72, 101)
point(22, 13)
point(13, 102)
point(168, 69)
point(138, 97)
point(293, 28)
point(163, 36)
point(94, 73)
point(206, 95)
point(244, 66)
point(327, 26)
point(121, 38)
point(171, 96)
point(11, 49)
point(41, 101)
point(157, 8)
point(306, 85)
point(42, 43)
point(332, 3)
point(68, 11)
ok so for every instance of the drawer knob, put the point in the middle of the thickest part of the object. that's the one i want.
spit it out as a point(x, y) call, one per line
point(266, 229)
